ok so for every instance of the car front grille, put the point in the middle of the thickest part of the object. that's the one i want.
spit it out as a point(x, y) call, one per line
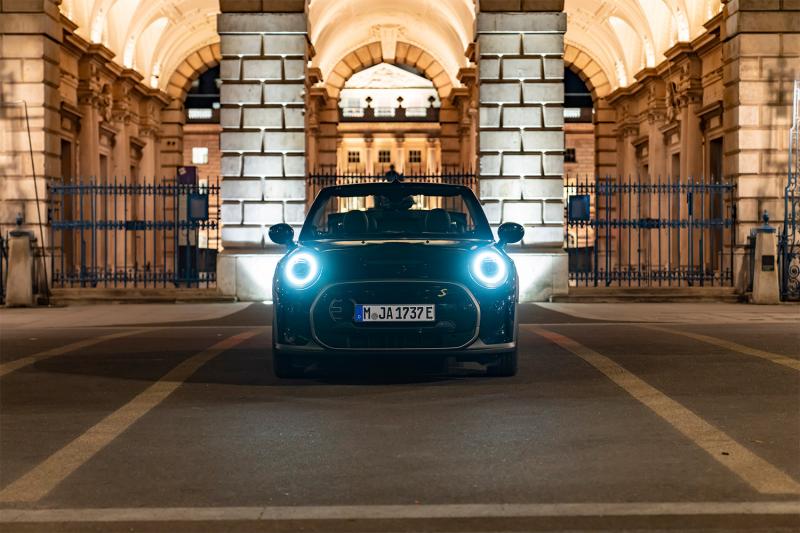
point(456, 325)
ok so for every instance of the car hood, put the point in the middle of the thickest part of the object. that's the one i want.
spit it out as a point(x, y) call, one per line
point(396, 259)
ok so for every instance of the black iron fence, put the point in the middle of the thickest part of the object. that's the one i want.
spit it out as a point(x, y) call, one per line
point(789, 239)
point(142, 233)
point(649, 232)
point(319, 180)
point(3, 269)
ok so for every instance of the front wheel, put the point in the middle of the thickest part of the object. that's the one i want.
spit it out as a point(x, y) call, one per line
point(504, 366)
point(284, 366)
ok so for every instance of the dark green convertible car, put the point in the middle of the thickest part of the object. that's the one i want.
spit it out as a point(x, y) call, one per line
point(388, 269)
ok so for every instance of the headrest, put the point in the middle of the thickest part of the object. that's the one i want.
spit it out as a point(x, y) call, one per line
point(437, 221)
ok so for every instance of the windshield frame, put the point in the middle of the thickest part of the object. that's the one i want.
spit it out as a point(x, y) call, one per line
point(483, 230)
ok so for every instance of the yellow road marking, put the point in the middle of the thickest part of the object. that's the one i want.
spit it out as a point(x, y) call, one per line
point(758, 473)
point(396, 512)
point(37, 483)
point(778, 359)
point(11, 366)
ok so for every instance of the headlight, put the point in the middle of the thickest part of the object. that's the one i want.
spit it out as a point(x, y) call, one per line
point(489, 269)
point(301, 270)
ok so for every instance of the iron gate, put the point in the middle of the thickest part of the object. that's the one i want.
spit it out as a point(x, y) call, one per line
point(134, 234)
point(645, 233)
point(790, 235)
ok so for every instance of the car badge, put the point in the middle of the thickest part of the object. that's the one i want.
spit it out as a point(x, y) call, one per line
point(335, 310)
point(442, 293)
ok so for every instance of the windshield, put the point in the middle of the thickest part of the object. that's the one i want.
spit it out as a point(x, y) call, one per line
point(395, 211)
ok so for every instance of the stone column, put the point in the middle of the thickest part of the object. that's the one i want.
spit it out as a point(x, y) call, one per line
point(369, 155)
point(400, 150)
point(264, 50)
point(121, 117)
point(605, 143)
point(761, 58)
point(431, 159)
point(521, 124)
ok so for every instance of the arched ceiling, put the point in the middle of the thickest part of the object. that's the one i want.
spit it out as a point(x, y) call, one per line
point(442, 28)
point(625, 36)
point(154, 37)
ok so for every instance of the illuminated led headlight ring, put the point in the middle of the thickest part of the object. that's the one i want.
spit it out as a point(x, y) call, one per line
point(489, 269)
point(301, 270)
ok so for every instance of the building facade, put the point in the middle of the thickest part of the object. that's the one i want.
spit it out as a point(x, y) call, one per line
point(268, 93)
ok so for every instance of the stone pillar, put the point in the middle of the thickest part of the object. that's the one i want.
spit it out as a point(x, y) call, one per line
point(173, 119)
point(431, 158)
point(521, 124)
point(30, 39)
point(369, 155)
point(263, 144)
point(761, 58)
point(121, 119)
point(400, 150)
point(605, 142)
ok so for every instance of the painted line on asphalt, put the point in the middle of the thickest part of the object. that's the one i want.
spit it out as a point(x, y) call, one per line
point(11, 366)
point(397, 512)
point(758, 473)
point(776, 358)
point(37, 483)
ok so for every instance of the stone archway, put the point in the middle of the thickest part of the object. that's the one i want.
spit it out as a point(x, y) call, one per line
point(375, 53)
point(596, 80)
point(455, 121)
point(173, 117)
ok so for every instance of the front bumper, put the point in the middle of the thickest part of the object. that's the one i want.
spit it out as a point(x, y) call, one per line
point(475, 352)
point(470, 323)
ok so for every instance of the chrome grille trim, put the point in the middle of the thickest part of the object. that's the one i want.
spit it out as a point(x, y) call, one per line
point(392, 280)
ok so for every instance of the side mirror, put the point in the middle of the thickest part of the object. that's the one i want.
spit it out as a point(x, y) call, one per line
point(509, 233)
point(281, 234)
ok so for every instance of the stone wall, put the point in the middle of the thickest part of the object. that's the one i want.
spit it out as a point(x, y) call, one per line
point(729, 85)
point(761, 56)
point(263, 139)
point(521, 138)
point(30, 40)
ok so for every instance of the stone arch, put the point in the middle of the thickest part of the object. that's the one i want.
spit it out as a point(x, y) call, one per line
point(597, 81)
point(192, 68)
point(173, 117)
point(374, 53)
point(588, 70)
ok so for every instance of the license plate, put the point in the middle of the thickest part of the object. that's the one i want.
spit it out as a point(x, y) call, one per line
point(395, 313)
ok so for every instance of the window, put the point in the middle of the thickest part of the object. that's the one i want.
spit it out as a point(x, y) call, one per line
point(384, 156)
point(569, 155)
point(415, 156)
point(200, 156)
point(354, 157)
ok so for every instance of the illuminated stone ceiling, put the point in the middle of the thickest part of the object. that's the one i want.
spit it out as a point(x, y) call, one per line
point(622, 36)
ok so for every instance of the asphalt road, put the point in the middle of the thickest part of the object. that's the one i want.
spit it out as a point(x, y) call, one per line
point(163, 424)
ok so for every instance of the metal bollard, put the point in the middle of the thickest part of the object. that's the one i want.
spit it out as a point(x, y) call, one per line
point(19, 284)
point(765, 280)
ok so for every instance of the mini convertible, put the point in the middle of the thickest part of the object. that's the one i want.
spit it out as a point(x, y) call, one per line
point(395, 269)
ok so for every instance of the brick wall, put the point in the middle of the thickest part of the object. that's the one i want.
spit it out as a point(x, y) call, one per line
point(580, 137)
point(203, 136)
